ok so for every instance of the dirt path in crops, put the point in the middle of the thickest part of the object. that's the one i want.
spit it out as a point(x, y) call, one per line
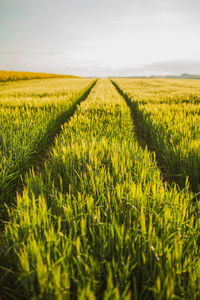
point(141, 136)
point(16, 185)
point(36, 158)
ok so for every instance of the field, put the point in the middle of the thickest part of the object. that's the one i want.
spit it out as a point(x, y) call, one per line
point(100, 183)
point(168, 112)
point(6, 76)
point(31, 113)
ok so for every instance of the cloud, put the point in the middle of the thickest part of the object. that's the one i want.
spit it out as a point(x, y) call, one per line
point(176, 67)
point(163, 68)
point(100, 36)
point(14, 2)
point(65, 63)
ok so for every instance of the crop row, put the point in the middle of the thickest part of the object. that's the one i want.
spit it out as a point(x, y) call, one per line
point(98, 221)
point(168, 113)
point(30, 115)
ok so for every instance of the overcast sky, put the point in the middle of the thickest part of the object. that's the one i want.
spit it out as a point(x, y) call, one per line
point(101, 37)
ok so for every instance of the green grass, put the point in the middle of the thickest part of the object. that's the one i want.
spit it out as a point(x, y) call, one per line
point(98, 222)
point(30, 118)
point(168, 113)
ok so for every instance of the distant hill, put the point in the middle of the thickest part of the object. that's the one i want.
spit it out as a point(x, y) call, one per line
point(16, 75)
point(185, 75)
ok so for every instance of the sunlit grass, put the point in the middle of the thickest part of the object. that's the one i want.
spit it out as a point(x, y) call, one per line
point(30, 116)
point(98, 221)
point(169, 114)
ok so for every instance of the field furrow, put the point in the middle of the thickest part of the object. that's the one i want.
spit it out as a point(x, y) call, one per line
point(31, 114)
point(98, 222)
point(167, 115)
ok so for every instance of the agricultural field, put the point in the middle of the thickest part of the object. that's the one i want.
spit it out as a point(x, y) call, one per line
point(31, 113)
point(93, 216)
point(168, 112)
point(15, 75)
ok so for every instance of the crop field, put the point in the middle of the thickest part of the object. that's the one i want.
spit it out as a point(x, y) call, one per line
point(168, 112)
point(100, 183)
point(13, 76)
point(31, 113)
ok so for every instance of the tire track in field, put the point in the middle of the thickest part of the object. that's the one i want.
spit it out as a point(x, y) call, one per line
point(14, 182)
point(36, 160)
point(141, 135)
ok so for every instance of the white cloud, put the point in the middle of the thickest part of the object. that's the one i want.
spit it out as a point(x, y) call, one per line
point(107, 35)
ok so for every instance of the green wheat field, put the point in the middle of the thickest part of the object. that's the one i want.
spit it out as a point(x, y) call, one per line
point(99, 188)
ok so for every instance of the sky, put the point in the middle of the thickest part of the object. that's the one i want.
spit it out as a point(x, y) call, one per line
point(101, 37)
